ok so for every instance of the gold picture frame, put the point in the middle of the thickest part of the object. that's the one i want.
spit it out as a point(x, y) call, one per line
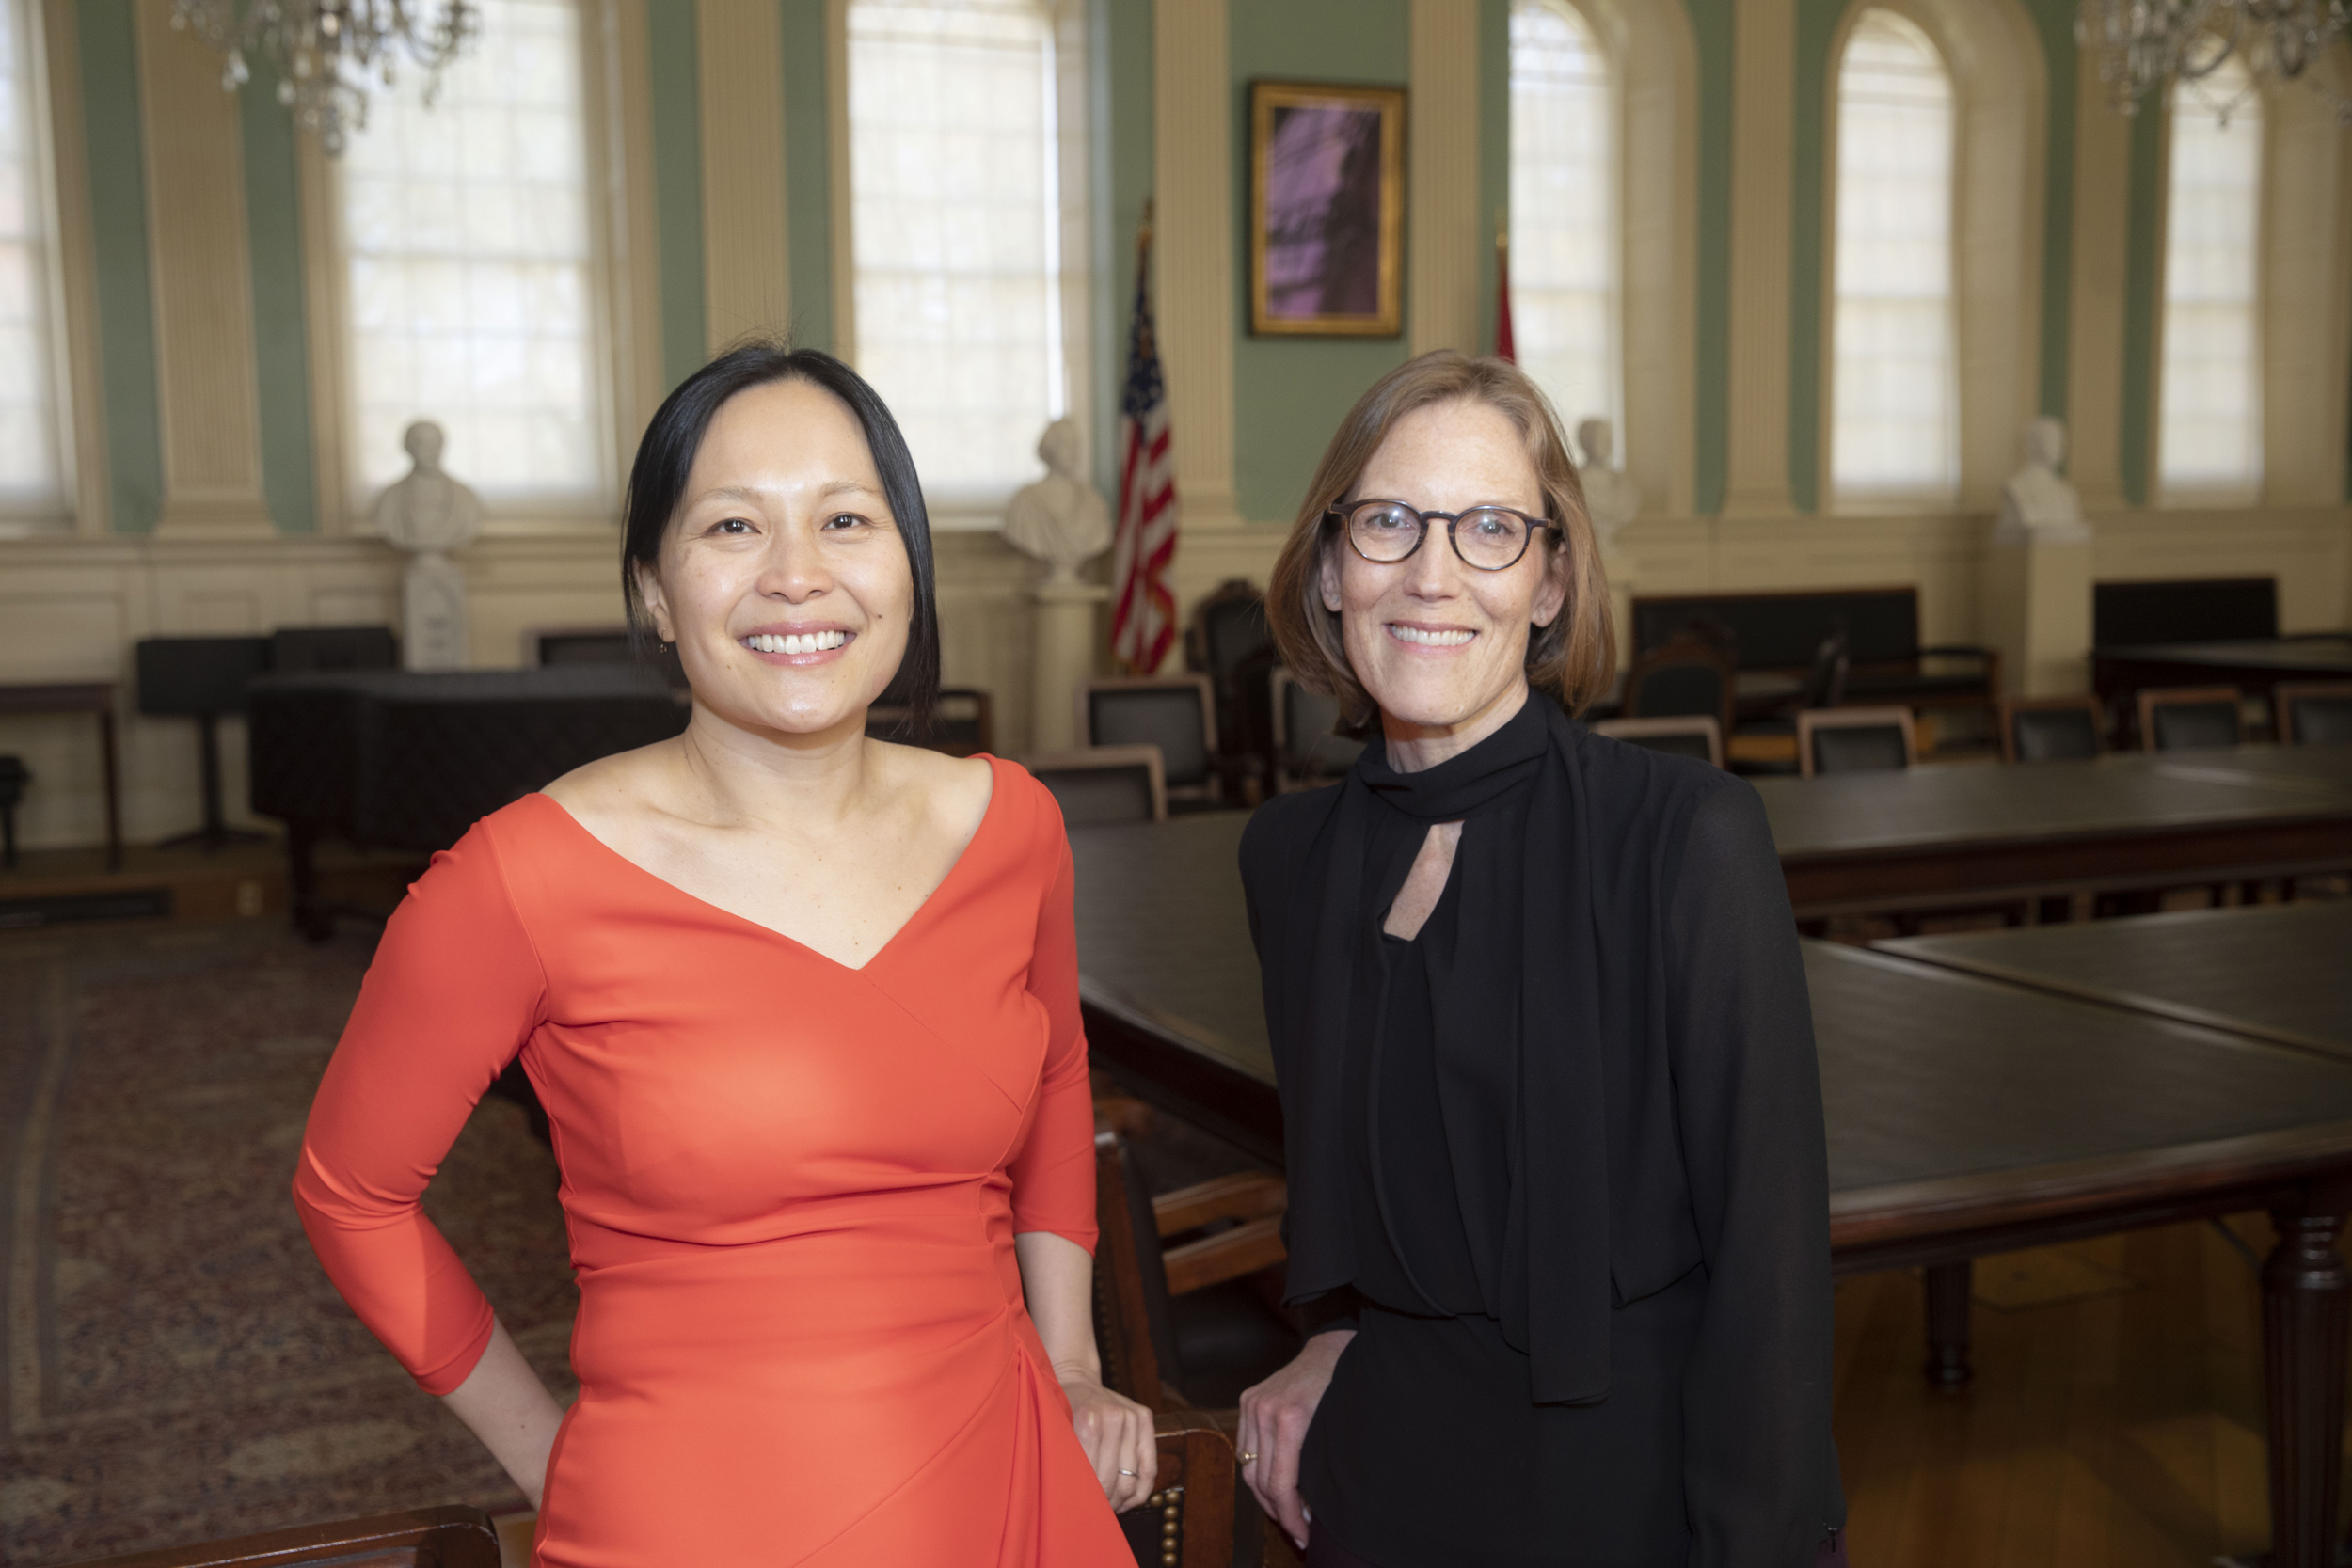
point(1326, 210)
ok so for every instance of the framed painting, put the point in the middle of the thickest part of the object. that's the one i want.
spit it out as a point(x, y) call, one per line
point(1326, 210)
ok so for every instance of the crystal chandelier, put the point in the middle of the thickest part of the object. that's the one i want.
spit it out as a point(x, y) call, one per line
point(329, 52)
point(2144, 44)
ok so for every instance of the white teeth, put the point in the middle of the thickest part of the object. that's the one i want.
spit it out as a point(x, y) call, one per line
point(810, 643)
point(1430, 639)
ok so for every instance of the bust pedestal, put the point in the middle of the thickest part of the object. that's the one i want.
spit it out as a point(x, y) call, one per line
point(1062, 655)
point(432, 612)
point(2037, 585)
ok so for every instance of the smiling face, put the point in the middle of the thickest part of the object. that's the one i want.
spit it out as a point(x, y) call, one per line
point(783, 578)
point(1440, 645)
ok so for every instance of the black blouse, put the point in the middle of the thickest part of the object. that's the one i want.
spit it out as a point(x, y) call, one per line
point(1705, 1439)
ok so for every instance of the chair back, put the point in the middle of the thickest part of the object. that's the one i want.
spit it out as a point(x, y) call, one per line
point(1307, 749)
point(1193, 1518)
point(2189, 717)
point(2049, 729)
point(446, 1537)
point(193, 675)
point(1175, 713)
point(1133, 1328)
point(1695, 735)
point(2312, 713)
point(1684, 676)
point(1855, 740)
point(306, 650)
point(1825, 682)
point(1103, 786)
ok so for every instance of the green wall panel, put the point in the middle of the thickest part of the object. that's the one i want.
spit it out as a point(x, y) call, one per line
point(808, 173)
point(2142, 267)
point(1713, 33)
point(677, 170)
point(126, 302)
point(2054, 21)
point(282, 355)
point(1290, 393)
point(1817, 29)
point(1119, 40)
point(1494, 150)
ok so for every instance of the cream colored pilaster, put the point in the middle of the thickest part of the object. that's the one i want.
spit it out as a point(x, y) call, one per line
point(85, 412)
point(1450, 240)
point(2094, 348)
point(2304, 303)
point(738, 51)
point(1762, 131)
point(1193, 266)
point(202, 277)
point(2037, 597)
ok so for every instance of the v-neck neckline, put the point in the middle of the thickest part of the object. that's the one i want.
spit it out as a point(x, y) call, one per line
point(988, 814)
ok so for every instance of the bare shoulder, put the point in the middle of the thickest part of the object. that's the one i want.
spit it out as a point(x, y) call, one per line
point(953, 792)
point(611, 785)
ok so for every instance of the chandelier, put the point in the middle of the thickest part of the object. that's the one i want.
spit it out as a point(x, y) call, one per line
point(328, 53)
point(2144, 44)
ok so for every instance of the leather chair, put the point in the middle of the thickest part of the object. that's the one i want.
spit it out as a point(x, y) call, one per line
point(201, 678)
point(446, 1537)
point(1307, 749)
point(1695, 735)
point(1855, 740)
point(304, 650)
point(2312, 713)
point(1771, 744)
point(2050, 729)
point(1684, 676)
point(2189, 717)
point(1176, 713)
point(1100, 785)
point(1228, 640)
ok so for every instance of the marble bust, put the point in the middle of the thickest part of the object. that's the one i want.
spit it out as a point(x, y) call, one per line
point(2037, 502)
point(428, 514)
point(1061, 519)
point(1611, 500)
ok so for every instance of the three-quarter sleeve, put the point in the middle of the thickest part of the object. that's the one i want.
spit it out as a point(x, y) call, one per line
point(455, 991)
point(1053, 1176)
point(1759, 1471)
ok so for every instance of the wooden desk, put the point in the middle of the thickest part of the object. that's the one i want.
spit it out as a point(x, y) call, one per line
point(1859, 843)
point(2275, 973)
point(95, 697)
point(1965, 1116)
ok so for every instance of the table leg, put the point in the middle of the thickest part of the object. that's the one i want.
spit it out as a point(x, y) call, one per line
point(114, 788)
point(311, 914)
point(1949, 1285)
point(2306, 1293)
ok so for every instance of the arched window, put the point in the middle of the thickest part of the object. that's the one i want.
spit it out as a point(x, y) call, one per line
point(469, 269)
point(32, 466)
point(1564, 211)
point(2209, 437)
point(1894, 430)
point(957, 227)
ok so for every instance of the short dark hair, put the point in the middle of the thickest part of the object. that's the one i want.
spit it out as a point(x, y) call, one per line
point(665, 455)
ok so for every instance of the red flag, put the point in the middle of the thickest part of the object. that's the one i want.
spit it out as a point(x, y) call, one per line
point(1144, 606)
point(1504, 348)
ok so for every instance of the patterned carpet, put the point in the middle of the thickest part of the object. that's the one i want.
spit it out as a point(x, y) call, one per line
point(177, 1367)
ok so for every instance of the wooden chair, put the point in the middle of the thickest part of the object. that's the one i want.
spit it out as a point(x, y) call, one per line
point(1189, 1519)
point(1176, 713)
point(1307, 751)
point(1854, 741)
point(2311, 713)
point(2186, 718)
point(449, 1537)
point(963, 724)
point(2050, 729)
point(1228, 640)
point(1682, 677)
point(1695, 735)
point(1098, 785)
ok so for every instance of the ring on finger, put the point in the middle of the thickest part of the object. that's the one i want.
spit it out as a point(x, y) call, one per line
point(1246, 1457)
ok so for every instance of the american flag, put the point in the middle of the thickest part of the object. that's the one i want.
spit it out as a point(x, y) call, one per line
point(1143, 610)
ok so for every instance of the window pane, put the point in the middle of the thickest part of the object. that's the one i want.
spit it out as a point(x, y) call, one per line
point(30, 472)
point(1893, 419)
point(470, 268)
point(1564, 210)
point(957, 221)
point(2209, 428)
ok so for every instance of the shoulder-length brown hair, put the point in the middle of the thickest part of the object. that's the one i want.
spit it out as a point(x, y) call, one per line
point(1574, 658)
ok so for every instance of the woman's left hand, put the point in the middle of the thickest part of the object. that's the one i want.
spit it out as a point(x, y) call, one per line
point(1117, 1435)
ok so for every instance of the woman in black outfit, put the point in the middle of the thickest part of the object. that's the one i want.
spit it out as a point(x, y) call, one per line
point(1558, 1203)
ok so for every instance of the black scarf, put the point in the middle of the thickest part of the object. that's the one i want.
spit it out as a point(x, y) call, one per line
point(1534, 956)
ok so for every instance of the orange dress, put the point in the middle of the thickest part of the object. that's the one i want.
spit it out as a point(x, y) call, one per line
point(791, 1190)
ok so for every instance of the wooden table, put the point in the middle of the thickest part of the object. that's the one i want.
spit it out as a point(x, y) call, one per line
point(1859, 843)
point(2275, 973)
point(1966, 1115)
point(93, 697)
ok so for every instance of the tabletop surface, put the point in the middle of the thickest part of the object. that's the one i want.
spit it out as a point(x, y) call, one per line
point(1937, 806)
point(2331, 652)
point(59, 696)
point(555, 682)
point(2272, 972)
point(1928, 1073)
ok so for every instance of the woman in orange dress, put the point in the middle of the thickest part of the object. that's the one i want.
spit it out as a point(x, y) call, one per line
point(803, 1008)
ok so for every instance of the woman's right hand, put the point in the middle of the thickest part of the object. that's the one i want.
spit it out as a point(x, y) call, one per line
point(1275, 1416)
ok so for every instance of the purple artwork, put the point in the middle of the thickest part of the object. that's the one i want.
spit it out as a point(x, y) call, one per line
point(1323, 212)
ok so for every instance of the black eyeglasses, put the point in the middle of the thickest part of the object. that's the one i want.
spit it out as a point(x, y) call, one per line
point(1489, 538)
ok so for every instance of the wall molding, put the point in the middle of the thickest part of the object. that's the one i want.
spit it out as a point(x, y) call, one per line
point(747, 258)
point(1195, 251)
point(1764, 65)
point(81, 407)
point(1450, 241)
